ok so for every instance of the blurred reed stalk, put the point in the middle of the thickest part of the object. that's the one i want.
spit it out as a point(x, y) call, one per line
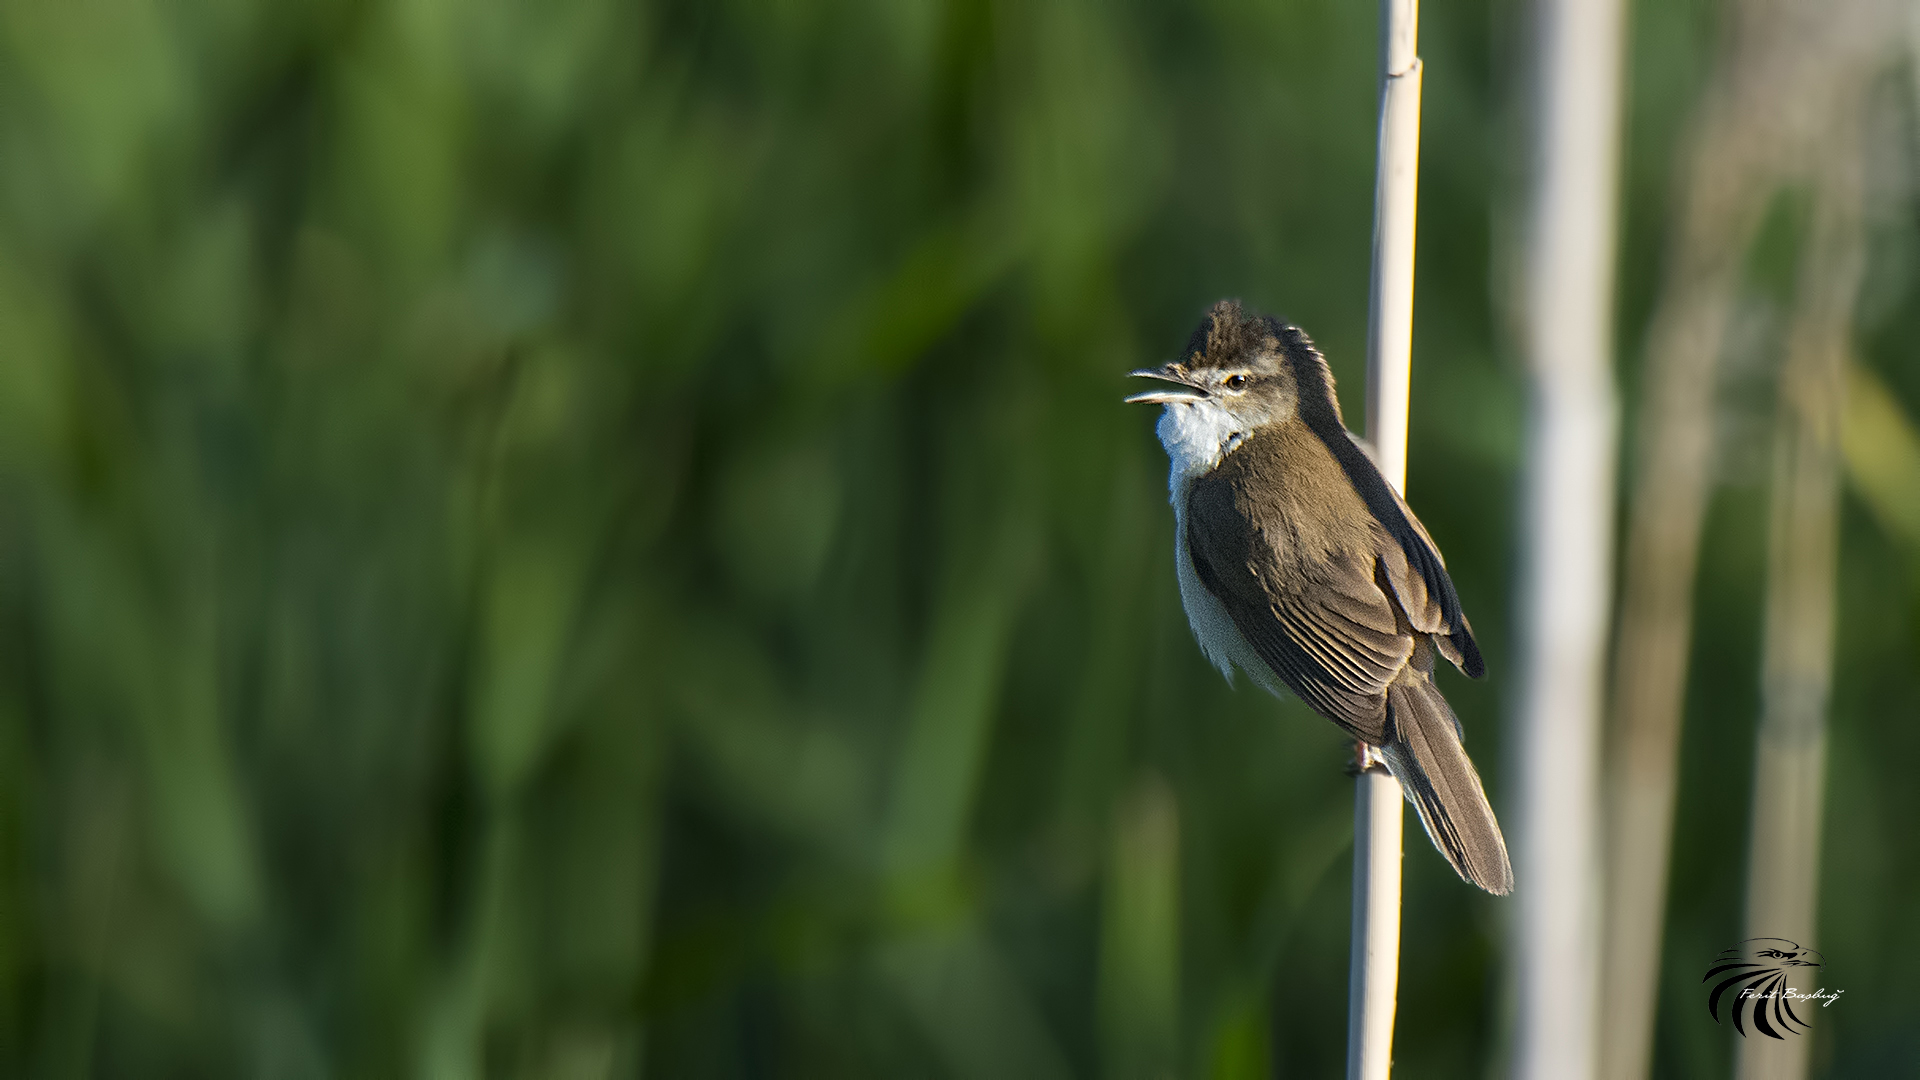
point(1374, 965)
point(1567, 504)
point(1766, 106)
point(1720, 196)
point(1789, 775)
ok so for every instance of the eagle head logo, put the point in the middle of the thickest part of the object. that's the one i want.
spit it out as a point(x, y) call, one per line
point(1753, 977)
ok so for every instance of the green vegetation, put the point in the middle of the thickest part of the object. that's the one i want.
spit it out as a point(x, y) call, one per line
point(575, 539)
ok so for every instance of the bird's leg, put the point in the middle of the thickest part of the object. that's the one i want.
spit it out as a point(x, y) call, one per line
point(1365, 756)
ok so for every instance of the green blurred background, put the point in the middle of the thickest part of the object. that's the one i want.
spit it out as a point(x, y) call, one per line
point(587, 539)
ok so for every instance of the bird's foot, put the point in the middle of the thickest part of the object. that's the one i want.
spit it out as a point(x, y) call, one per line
point(1365, 756)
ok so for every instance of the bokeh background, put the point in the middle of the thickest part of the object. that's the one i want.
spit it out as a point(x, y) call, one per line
point(597, 539)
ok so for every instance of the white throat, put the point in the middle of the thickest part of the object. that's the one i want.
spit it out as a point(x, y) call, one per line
point(1197, 435)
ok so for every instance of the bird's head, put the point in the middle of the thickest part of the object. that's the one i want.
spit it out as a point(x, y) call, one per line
point(1237, 375)
point(1233, 373)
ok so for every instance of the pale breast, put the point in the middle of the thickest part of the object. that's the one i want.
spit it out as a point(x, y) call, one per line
point(1225, 647)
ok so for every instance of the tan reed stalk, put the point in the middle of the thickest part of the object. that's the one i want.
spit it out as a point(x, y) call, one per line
point(1567, 506)
point(1373, 974)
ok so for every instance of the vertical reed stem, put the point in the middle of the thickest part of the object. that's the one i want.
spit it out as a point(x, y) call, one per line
point(1374, 971)
point(1565, 590)
point(1789, 772)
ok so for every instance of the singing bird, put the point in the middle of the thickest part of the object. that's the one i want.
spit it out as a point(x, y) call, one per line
point(1299, 564)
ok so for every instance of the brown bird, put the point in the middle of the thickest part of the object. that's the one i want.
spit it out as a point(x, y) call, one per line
point(1299, 564)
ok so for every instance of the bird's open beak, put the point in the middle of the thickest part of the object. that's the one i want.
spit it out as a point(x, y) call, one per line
point(1190, 392)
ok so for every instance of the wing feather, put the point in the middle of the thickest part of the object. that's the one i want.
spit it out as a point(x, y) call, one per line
point(1410, 537)
point(1336, 640)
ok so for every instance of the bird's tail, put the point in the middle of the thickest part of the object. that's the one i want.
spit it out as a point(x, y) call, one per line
point(1424, 753)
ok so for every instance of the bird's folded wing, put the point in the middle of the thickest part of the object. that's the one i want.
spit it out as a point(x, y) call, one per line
point(1410, 587)
point(1414, 565)
point(1423, 609)
point(1333, 639)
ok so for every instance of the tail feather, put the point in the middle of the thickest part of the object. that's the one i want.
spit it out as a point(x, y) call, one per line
point(1424, 753)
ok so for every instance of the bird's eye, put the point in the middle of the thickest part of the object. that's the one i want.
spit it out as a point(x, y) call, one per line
point(1236, 382)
